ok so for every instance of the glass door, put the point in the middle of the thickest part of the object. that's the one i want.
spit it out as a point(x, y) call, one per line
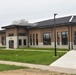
point(11, 44)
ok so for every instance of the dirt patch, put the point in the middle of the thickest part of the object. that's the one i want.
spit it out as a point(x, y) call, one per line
point(29, 72)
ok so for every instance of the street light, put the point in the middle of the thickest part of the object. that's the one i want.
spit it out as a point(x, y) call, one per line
point(55, 34)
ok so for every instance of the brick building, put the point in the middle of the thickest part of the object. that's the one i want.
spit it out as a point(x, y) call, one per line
point(41, 34)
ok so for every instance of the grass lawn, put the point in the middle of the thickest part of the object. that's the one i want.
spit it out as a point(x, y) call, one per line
point(10, 67)
point(50, 49)
point(34, 57)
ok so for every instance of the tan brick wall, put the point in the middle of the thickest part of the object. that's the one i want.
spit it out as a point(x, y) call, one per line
point(61, 29)
point(21, 30)
point(40, 32)
point(11, 30)
point(35, 31)
point(47, 30)
point(73, 29)
point(14, 31)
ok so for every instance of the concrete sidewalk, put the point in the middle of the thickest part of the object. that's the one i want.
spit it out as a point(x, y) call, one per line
point(42, 67)
point(67, 61)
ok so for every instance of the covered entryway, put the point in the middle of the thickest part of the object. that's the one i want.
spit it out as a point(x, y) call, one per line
point(11, 43)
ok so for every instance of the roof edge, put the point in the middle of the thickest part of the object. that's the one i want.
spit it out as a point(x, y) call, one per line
point(71, 18)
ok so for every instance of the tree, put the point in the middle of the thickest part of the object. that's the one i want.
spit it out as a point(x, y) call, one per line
point(20, 22)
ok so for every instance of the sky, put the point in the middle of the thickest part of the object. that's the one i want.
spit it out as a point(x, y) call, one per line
point(34, 10)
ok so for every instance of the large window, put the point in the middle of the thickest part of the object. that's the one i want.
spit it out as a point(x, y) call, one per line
point(11, 34)
point(30, 39)
point(33, 39)
point(64, 38)
point(47, 39)
point(75, 38)
point(20, 42)
point(3, 40)
point(36, 39)
point(58, 38)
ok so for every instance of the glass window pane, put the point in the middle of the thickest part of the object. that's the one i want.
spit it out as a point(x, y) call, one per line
point(36, 39)
point(33, 39)
point(47, 39)
point(30, 39)
point(58, 38)
point(75, 38)
point(20, 42)
point(3, 40)
point(64, 38)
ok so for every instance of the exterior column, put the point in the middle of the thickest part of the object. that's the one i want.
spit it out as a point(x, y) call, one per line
point(71, 38)
point(68, 37)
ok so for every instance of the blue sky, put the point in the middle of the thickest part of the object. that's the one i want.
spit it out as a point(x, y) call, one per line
point(34, 10)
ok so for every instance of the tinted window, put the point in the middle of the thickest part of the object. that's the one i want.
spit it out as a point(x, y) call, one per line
point(47, 39)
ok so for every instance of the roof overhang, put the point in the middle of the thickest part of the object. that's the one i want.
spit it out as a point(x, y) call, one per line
point(2, 31)
point(15, 26)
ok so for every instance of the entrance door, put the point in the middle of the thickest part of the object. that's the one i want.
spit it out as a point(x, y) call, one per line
point(11, 44)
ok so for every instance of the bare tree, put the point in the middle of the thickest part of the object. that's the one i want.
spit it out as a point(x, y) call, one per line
point(20, 22)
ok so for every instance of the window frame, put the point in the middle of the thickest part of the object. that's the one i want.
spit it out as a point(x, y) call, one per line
point(65, 41)
point(36, 39)
point(3, 40)
point(11, 34)
point(45, 40)
point(33, 39)
point(58, 38)
point(20, 42)
point(30, 39)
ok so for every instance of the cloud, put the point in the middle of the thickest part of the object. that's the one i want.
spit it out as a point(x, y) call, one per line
point(34, 10)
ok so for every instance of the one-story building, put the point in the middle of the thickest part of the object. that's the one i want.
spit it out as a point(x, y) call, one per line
point(41, 34)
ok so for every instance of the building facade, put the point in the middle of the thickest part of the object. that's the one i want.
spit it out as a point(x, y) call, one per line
point(41, 34)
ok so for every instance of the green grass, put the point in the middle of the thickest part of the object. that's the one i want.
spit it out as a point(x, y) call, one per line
point(10, 67)
point(34, 57)
point(2, 47)
point(51, 49)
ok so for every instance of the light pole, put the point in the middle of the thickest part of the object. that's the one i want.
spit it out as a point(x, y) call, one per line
point(55, 35)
